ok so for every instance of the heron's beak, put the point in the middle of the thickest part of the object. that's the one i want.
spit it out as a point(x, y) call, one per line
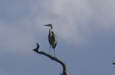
point(47, 25)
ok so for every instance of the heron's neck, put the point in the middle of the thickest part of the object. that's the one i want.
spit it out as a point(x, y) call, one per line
point(50, 31)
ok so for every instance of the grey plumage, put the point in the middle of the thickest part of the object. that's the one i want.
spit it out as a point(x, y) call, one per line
point(51, 37)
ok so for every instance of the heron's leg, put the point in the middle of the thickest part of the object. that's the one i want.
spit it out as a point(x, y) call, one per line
point(54, 53)
point(49, 49)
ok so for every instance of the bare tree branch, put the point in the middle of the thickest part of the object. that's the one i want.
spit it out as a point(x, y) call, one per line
point(113, 63)
point(52, 58)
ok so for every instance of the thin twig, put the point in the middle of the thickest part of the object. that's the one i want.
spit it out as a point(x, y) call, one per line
point(52, 58)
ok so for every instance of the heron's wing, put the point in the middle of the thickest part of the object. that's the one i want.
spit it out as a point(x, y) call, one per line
point(54, 38)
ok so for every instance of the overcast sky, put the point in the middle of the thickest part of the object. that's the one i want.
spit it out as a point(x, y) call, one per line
point(85, 30)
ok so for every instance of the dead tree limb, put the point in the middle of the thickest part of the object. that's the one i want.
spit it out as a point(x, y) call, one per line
point(52, 58)
point(113, 63)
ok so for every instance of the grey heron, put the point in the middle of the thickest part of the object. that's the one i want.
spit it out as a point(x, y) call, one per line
point(52, 37)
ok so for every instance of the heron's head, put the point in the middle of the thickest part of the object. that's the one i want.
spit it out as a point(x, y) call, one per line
point(49, 25)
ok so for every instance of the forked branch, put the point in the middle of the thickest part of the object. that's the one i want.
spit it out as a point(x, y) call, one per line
point(52, 58)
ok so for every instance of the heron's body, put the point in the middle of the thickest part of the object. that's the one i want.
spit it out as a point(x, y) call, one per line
point(52, 37)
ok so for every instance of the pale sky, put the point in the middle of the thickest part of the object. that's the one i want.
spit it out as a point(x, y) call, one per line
point(85, 30)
